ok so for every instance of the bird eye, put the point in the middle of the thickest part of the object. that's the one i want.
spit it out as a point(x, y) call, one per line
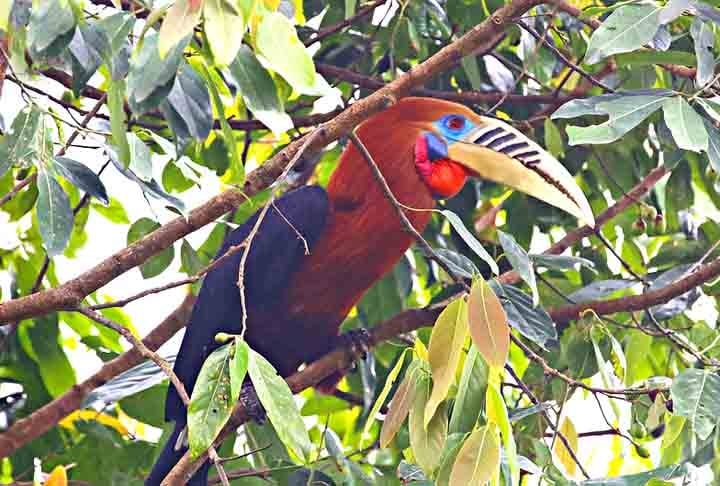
point(455, 122)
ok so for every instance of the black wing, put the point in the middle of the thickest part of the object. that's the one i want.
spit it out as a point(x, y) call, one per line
point(276, 252)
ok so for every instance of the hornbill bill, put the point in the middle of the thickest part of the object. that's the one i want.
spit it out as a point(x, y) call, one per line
point(426, 149)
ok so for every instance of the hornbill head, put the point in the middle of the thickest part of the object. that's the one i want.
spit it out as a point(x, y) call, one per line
point(452, 142)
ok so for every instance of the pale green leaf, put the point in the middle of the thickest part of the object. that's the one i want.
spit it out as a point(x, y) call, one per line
point(469, 239)
point(258, 91)
point(478, 459)
point(426, 442)
point(446, 344)
point(224, 28)
point(180, 20)
point(628, 28)
point(520, 261)
point(685, 124)
point(278, 43)
point(696, 395)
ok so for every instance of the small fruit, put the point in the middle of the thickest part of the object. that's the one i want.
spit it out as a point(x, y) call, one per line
point(639, 227)
point(638, 430)
point(642, 451)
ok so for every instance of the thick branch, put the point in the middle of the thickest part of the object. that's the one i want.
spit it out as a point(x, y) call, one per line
point(703, 274)
point(73, 292)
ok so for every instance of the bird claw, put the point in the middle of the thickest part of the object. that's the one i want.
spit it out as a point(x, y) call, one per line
point(357, 341)
point(251, 403)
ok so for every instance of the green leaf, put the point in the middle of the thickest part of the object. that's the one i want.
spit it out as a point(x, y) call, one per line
point(82, 177)
point(560, 262)
point(531, 321)
point(151, 78)
point(685, 124)
point(238, 366)
point(459, 264)
point(628, 28)
point(189, 259)
point(156, 264)
point(117, 28)
point(625, 113)
point(86, 48)
point(520, 261)
point(228, 136)
point(22, 143)
point(641, 479)
point(469, 239)
point(389, 383)
point(478, 459)
point(259, 92)
point(713, 152)
point(446, 344)
point(470, 398)
point(696, 395)
point(140, 157)
point(224, 28)
point(5, 8)
point(350, 8)
point(188, 107)
point(276, 397)
point(278, 43)
point(177, 27)
point(649, 58)
point(426, 442)
point(211, 402)
point(41, 340)
point(55, 216)
point(553, 139)
point(447, 459)
point(118, 120)
point(113, 212)
point(51, 27)
point(599, 289)
point(703, 39)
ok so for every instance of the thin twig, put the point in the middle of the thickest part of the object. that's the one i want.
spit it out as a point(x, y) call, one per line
point(397, 206)
point(162, 364)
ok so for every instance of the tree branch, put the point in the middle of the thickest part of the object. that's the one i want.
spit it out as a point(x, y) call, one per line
point(44, 418)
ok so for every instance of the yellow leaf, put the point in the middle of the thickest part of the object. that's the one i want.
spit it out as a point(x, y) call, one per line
point(420, 350)
point(91, 415)
point(224, 28)
point(179, 22)
point(399, 407)
point(478, 459)
point(446, 344)
point(562, 454)
point(488, 324)
point(58, 477)
point(497, 413)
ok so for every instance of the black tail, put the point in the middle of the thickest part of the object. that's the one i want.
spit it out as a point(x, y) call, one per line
point(169, 457)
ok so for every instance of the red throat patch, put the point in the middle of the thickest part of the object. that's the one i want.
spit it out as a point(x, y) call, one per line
point(444, 177)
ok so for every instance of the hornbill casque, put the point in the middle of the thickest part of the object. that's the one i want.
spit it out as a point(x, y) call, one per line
point(296, 302)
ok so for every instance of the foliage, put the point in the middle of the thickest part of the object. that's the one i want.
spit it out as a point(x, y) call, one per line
point(498, 390)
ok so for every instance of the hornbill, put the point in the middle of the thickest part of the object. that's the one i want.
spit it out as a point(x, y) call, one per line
point(426, 149)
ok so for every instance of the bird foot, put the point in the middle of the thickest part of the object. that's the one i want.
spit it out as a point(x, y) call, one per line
point(251, 403)
point(357, 341)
